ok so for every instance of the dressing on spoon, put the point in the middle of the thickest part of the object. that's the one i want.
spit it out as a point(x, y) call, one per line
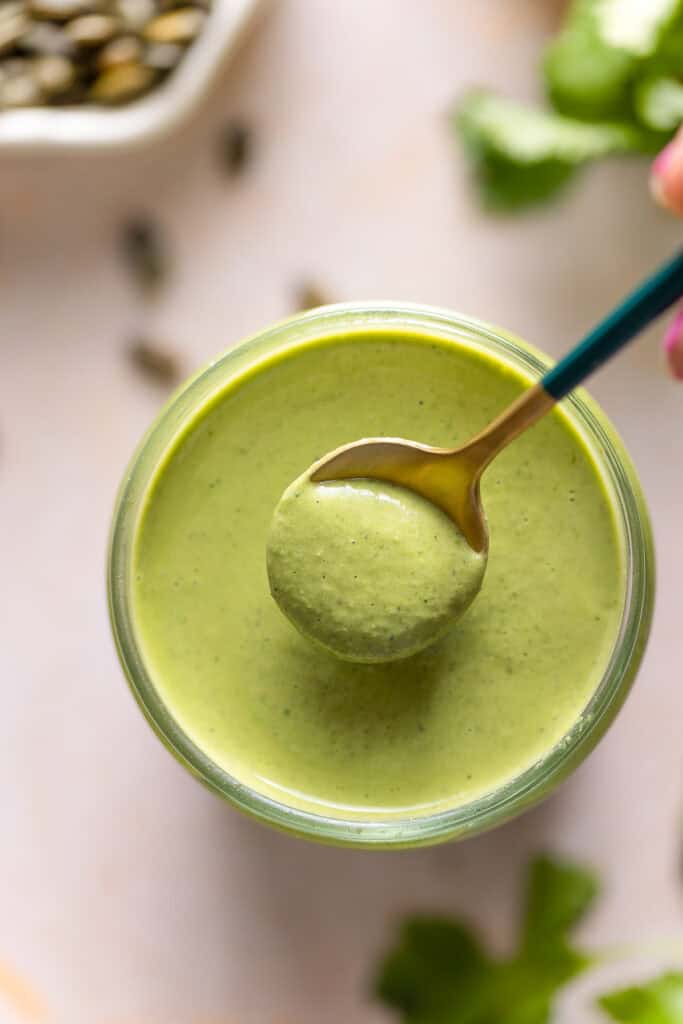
point(370, 570)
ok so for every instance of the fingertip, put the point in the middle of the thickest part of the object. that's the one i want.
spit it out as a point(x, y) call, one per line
point(666, 176)
point(673, 346)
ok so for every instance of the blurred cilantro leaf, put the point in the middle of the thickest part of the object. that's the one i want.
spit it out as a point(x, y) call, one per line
point(603, 45)
point(521, 155)
point(585, 76)
point(667, 60)
point(659, 102)
point(636, 28)
point(613, 75)
point(658, 1002)
point(440, 973)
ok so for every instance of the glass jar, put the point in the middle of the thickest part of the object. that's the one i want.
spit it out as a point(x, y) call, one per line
point(632, 523)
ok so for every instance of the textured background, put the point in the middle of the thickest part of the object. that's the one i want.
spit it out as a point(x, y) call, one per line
point(128, 894)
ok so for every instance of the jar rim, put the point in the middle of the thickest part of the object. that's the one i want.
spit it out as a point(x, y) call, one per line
point(522, 790)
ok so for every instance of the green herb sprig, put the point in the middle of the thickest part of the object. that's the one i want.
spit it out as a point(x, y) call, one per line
point(612, 77)
point(439, 971)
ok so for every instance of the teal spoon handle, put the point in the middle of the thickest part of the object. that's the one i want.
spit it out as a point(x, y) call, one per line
point(638, 310)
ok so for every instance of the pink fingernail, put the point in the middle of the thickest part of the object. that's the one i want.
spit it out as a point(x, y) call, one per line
point(661, 161)
point(673, 345)
point(658, 174)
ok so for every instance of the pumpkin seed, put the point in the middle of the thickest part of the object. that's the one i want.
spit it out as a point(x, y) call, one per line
point(108, 51)
point(92, 29)
point(308, 295)
point(13, 25)
point(179, 26)
point(61, 10)
point(54, 74)
point(235, 146)
point(136, 13)
point(45, 39)
point(20, 90)
point(163, 56)
point(122, 83)
point(154, 361)
point(144, 252)
point(124, 50)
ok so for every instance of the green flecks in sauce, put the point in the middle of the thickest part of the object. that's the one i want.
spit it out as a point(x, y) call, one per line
point(371, 571)
point(434, 731)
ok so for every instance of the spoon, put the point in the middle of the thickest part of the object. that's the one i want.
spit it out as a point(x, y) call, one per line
point(450, 477)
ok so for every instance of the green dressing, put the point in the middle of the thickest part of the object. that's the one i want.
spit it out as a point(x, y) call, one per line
point(286, 717)
point(371, 571)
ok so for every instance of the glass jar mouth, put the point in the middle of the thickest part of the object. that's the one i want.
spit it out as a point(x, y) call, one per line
point(518, 792)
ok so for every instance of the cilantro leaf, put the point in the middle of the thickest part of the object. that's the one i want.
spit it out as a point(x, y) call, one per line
point(436, 965)
point(667, 60)
point(439, 972)
point(635, 28)
point(585, 76)
point(558, 896)
point(522, 156)
point(613, 75)
point(658, 1002)
point(604, 44)
point(659, 103)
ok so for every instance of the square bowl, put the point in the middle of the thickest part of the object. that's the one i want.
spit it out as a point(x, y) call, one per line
point(89, 127)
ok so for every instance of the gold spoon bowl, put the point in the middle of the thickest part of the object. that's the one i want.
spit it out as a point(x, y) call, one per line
point(448, 477)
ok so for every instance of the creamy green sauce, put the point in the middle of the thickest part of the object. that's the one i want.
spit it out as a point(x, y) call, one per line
point(372, 571)
point(433, 731)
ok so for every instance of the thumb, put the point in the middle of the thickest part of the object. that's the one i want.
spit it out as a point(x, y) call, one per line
point(673, 345)
point(666, 178)
point(666, 185)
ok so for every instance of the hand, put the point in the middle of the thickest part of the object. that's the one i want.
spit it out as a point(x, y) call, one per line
point(666, 184)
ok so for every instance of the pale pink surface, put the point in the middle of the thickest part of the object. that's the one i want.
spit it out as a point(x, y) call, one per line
point(129, 894)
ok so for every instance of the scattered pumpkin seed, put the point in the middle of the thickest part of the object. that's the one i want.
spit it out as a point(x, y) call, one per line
point(308, 295)
point(155, 362)
point(144, 253)
point(235, 147)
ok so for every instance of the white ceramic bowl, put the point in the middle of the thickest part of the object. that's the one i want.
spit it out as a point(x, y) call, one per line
point(90, 127)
